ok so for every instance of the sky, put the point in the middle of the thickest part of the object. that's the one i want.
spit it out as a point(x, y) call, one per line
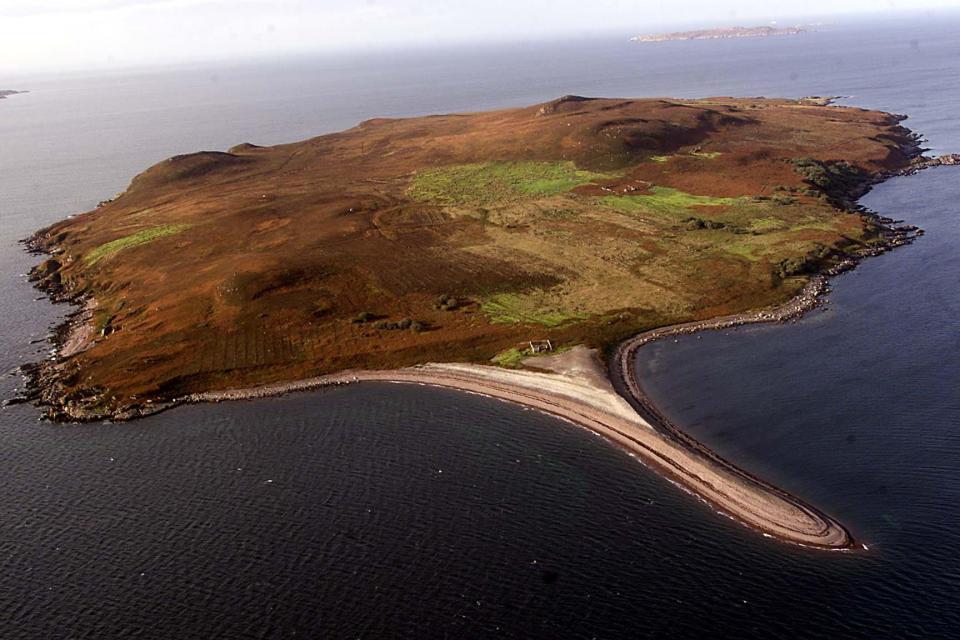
point(72, 34)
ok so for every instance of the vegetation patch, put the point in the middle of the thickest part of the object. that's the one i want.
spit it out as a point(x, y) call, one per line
point(364, 317)
point(750, 251)
point(447, 302)
point(762, 225)
point(490, 182)
point(663, 201)
point(836, 178)
point(512, 358)
point(694, 223)
point(108, 249)
point(406, 323)
point(801, 265)
point(103, 322)
point(512, 308)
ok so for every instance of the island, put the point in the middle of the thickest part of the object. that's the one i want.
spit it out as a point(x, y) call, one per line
point(722, 33)
point(524, 254)
point(9, 92)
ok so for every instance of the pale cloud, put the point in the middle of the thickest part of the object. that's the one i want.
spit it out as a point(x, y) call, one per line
point(94, 33)
point(35, 7)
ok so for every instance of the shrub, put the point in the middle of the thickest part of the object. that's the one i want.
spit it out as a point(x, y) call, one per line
point(793, 267)
point(836, 178)
point(447, 303)
point(398, 325)
point(391, 326)
point(699, 223)
point(809, 263)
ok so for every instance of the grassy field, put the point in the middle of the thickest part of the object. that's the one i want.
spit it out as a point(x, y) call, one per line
point(490, 182)
point(529, 308)
point(663, 201)
point(113, 247)
point(511, 358)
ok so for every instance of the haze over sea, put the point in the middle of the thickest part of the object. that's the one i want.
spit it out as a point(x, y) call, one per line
point(394, 511)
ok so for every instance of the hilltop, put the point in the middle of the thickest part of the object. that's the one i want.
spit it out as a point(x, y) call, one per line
point(452, 238)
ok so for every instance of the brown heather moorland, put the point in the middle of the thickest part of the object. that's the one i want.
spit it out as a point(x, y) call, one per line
point(453, 238)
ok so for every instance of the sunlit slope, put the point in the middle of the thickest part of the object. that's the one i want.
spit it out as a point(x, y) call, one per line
point(458, 237)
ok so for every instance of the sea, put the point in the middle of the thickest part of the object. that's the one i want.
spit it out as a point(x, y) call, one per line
point(391, 511)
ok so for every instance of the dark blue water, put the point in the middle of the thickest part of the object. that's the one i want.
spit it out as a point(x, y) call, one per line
point(390, 511)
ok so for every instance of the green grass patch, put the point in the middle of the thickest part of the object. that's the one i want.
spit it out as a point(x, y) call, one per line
point(489, 182)
point(663, 201)
point(101, 320)
point(511, 308)
point(763, 225)
point(816, 225)
point(660, 159)
point(743, 249)
point(108, 249)
point(512, 358)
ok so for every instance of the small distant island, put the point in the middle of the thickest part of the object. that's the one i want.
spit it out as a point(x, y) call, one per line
point(524, 254)
point(8, 92)
point(722, 33)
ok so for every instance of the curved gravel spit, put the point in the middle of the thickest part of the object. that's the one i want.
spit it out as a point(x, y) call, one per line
point(574, 386)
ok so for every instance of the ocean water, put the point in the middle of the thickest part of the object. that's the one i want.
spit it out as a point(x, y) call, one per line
point(396, 511)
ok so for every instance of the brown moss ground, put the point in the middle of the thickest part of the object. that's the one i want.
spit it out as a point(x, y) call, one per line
point(269, 254)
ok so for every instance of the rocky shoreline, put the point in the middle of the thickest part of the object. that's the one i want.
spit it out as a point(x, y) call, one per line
point(43, 385)
point(923, 162)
